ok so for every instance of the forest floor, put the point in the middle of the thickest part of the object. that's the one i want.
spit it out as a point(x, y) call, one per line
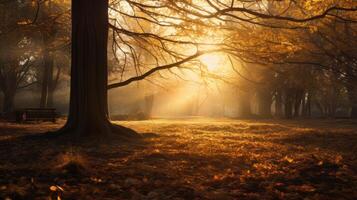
point(186, 159)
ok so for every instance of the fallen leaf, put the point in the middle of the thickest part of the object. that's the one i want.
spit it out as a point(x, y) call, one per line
point(290, 160)
point(53, 188)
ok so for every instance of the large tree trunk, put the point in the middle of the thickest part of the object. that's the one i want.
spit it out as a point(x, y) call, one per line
point(88, 113)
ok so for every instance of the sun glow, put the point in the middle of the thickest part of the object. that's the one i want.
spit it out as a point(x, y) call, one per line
point(212, 61)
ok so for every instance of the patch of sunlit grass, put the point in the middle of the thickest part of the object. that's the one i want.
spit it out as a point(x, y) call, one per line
point(218, 156)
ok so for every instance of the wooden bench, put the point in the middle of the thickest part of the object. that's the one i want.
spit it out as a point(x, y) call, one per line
point(36, 114)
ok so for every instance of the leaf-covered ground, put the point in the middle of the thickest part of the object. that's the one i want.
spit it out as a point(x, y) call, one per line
point(186, 159)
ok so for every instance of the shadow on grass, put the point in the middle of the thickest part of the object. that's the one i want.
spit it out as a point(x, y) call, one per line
point(344, 142)
point(32, 162)
point(170, 175)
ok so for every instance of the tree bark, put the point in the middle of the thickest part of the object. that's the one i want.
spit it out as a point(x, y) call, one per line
point(88, 113)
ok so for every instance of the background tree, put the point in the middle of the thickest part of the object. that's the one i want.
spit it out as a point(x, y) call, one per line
point(18, 52)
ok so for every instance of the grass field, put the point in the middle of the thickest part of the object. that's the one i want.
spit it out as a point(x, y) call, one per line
point(186, 159)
